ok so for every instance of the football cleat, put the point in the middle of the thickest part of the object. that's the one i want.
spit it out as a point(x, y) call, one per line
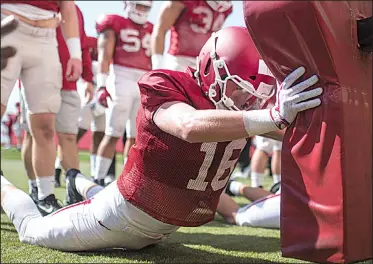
point(100, 182)
point(275, 187)
point(34, 194)
point(72, 194)
point(48, 205)
point(108, 179)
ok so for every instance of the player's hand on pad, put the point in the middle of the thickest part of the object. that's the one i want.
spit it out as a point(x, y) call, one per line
point(103, 96)
point(74, 69)
point(292, 99)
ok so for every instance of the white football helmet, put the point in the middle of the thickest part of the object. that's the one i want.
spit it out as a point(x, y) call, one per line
point(138, 15)
point(220, 6)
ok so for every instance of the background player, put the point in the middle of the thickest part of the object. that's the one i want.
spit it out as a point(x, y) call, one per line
point(126, 43)
point(66, 118)
point(37, 64)
point(184, 118)
point(191, 24)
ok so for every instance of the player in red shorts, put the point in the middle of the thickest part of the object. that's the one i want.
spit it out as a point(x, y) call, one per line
point(191, 128)
point(191, 24)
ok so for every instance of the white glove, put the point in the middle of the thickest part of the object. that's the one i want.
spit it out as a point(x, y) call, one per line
point(292, 99)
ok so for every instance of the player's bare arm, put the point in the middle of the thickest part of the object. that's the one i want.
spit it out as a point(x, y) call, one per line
point(71, 34)
point(191, 125)
point(169, 13)
point(105, 46)
point(187, 123)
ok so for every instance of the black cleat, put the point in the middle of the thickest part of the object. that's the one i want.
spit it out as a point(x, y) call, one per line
point(48, 205)
point(57, 177)
point(72, 195)
point(275, 187)
point(34, 194)
point(100, 182)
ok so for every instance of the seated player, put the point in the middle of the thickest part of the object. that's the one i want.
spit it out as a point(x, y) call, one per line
point(187, 145)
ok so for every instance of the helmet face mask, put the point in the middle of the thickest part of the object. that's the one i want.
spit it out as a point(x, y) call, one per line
point(138, 11)
point(232, 91)
point(220, 6)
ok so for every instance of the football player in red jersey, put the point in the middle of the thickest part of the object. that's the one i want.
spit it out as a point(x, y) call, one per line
point(191, 126)
point(191, 24)
point(124, 47)
point(92, 115)
point(37, 64)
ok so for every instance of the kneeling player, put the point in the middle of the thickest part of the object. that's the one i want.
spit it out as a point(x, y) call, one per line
point(187, 145)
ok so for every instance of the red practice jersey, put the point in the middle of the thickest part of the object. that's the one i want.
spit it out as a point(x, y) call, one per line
point(194, 27)
point(132, 47)
point(46, 5)
point(63, 51)
point(170, 179)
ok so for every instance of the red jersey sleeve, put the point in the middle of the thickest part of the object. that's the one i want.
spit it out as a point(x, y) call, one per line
point(159, 87)
point(105, 22)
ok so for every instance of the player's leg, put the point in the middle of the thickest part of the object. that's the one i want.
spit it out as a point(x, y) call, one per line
point(236, 188)
point(264, 212)
point(259, 160)
point(244, 168)
point(42, 80)
point(67, 129)
point(18, 134)
point(98, 223)
point(276, 162)
point(116, 117)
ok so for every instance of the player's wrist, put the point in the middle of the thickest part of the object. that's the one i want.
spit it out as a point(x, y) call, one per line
point(74, 47)
point(157, 61)
point(278, 120)
point(101, 80)
point(258, 122)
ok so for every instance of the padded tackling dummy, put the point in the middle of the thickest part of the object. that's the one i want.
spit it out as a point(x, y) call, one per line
point(326, 204)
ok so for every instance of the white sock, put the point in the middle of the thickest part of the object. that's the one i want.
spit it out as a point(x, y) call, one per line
point(93, 164)
point(57, 163)
point(276, 178)
point(102, 167)
point(82, 184)
point(45, 186)
point(31, 184)
point(4, 181)
point(234, 187)
point(125, 160)
point(257, 179)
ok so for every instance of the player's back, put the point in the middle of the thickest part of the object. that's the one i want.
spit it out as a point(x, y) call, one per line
point(194, 27)
point(132, 47)
point(172, 180)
